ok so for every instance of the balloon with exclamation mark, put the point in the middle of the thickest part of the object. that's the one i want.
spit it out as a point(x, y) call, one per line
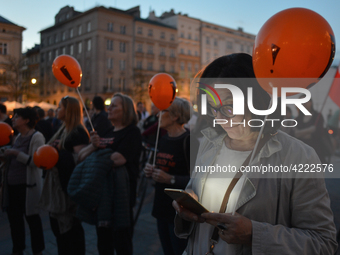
point(67, 70)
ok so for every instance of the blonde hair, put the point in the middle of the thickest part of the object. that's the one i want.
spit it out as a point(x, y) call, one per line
point(129, 110)
point(180, 108)
point(73, 118)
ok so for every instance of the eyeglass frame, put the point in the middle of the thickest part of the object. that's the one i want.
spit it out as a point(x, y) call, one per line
point(218, 110)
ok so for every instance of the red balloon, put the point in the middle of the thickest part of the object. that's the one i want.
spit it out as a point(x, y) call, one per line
point(294, 43)
point(6, 133)
point(67, 70)
point(46, 157)
point(162, 90)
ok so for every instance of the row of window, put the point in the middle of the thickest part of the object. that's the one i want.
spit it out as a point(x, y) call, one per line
point(67, 34)
point(122, 64)
point(122, 28)
point(139, 65)
point(121, 83)
point(189, 36)
point(189, 52)
point(189, 67)
point(3, 48)
point(122, 45)
point(71, 50)
point(150, 50)
point(150, 33)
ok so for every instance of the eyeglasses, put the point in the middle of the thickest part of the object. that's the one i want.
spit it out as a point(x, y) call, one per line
point(225, 110)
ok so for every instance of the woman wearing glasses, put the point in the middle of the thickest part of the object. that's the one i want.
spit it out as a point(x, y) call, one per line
point(69, 140)
point(125, 141)
point(282, 214)
point(171, 171)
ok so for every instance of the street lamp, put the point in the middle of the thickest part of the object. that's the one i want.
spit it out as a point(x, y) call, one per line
point(33, 81)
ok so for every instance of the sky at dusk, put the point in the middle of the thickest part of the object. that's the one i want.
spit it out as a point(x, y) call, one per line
point(36, 15)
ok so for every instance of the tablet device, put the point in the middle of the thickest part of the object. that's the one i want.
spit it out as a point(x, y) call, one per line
point(186, 200)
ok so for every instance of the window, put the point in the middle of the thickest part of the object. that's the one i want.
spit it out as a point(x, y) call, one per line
point(172, 53)
point(123, 30)
point(162, 52)
point(215, 42)
point(182, 51)
point(162, 35)
point(182, 35)
point(122, 83)
point(139, 47)
point(196, 68)
point(196, 38)
point(109, 81)
point(122, 46)
point(79, 47)
point(56, 53)
point(229, 45)
point(71, 49)
point(150, 49)
point(207, 40)
point(79, 30)
point(3, 48)
point(208, 56)
point(196, 53)
point(49, 55)
point(189, 67)
point(241, 47)
point(139, 30)
point(71, 33)
point(162, 68)
point(139, 65)
point(189, 36)
point(88, 26)
point(172, 69)
point(63, 50)
point(182, 66)
point(89, 45)
point(109, 44)
point(63, 36)
point(150, 32)
point(172, 37)
point(56, 38)
point(150, 67)
point(50, 40)
point(189, 52)
point(122, 65)
point(110, 27)
point(109, 63)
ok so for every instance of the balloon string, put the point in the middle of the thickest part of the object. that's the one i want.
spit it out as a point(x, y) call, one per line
point(156, 145)
point(88, 116)
point(253, 153)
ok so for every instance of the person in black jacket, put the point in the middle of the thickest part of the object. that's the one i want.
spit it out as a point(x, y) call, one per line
point(99, 119)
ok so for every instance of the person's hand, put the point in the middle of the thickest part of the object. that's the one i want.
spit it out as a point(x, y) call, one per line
point(95, 139)
point(238, 229)
point(185, 213)
point(148, 169)
point(11, 152)
point(160, 176)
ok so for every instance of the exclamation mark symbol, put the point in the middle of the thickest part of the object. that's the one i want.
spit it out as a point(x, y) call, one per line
point(275, 51)
point(65, 72)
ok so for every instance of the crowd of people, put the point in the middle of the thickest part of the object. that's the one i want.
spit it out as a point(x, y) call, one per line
point(273, 215)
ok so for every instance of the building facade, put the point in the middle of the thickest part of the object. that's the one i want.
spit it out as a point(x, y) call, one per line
point(10, 60)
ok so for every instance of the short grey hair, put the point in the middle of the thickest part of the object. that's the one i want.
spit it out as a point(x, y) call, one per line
point(182, 109)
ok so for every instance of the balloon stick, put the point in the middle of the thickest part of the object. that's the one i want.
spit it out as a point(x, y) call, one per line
point(88, 116)
point(156, 145)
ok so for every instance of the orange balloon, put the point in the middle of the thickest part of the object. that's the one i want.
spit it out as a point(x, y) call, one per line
point(46, 157)
point(6, 133)
point(162, 90)
point(67, 70)
point(294, 43)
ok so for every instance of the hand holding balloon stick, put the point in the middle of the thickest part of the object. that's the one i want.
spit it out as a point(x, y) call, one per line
point(162, 92)
point(294, 43)
point(68, 71)
point(46, 157)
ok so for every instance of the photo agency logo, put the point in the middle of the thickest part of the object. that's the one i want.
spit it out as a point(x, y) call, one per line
point(238, 103)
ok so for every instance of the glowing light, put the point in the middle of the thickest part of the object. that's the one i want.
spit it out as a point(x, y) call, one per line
point(330, 132)
point(108, 101)
point(176, 90)
point(34, 81)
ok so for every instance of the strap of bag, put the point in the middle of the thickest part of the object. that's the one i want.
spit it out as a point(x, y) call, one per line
point(214, 237)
